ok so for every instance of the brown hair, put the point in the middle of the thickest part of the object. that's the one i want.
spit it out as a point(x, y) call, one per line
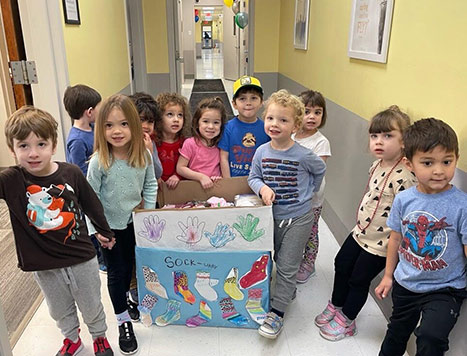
point(424, 135)
point(146, 106)
point(165, 99)
point(215, 103)
point(79, 98)
point(390, 119)
point(138, 157)
point(30, 119)
point(287, 100)
point(315, 98)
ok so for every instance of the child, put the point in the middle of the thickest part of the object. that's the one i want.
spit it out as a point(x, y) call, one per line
point(149, 114)
point(244, 133)
point(199, 157)
point(81, 102)
point(363, 254)
point(47, 201)
point(428, 245)
point(169, 134)
point(285, 174)
point(121, 172)
point(310, 137)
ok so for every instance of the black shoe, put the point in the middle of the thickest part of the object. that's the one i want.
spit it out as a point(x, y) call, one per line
point(127, 339)
point(132, 310)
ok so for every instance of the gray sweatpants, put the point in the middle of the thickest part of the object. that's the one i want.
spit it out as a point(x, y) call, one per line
point(290, 238)
point(64, 288)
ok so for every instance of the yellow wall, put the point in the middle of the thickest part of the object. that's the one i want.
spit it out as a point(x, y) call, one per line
point(97, 50)
point(426, 70)
point(267, 27)
point(155, 36)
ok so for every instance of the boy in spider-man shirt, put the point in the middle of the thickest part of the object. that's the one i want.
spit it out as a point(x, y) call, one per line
point(428, 245)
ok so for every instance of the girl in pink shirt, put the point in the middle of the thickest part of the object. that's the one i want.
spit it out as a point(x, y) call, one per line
point(199, 156)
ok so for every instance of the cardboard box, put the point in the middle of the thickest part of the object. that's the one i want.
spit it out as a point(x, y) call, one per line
point(232, 246)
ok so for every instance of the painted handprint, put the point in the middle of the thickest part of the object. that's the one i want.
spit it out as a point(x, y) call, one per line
point(192, 231)
point(153, 228)
point(221, 235)
point(247, 227)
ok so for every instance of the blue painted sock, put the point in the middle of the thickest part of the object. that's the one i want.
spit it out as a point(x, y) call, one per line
point(123, 317)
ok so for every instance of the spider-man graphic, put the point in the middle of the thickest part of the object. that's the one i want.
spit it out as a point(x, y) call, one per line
point(420, 234)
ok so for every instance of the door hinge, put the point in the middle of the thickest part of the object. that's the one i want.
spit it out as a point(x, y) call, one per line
point(23, 72)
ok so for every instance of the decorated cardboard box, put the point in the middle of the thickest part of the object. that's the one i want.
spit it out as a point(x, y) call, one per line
point(204, 266)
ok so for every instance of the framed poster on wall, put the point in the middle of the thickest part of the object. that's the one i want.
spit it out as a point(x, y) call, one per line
point(302, 12)
point(370, 27)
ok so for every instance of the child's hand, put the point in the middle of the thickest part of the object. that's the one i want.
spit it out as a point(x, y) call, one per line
point(267, 194)
point(172, 182)
point(206, 182)
point(382, 290)
point(148, 142)
point(216, 178)
point(106, 242)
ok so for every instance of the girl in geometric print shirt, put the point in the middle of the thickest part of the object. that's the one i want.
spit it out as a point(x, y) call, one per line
point(363, 254)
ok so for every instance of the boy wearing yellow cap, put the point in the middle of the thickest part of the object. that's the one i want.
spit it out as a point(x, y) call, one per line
point(245, 132)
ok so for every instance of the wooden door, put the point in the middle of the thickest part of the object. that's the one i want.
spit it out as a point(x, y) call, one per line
point(15, 47)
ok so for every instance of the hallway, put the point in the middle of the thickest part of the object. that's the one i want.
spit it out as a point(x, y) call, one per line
point(300, 336)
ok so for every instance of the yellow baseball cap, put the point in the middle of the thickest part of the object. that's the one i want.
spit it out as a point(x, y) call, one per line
point(246, 81)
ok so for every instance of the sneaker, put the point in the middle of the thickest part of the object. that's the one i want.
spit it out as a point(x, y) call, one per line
point(102, 347)
point(338, 328)
point(127, 339)
point(70, 348)
point(272, 326)
point(305, 272)
point(132, 309)
point(102, 268)
point(326, 316)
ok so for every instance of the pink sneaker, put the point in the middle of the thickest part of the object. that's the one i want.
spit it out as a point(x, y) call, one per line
point(305, 272)
point(326, 316)
point(338, 328)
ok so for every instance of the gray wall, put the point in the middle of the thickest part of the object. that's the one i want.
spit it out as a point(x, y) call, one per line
point(346, 177)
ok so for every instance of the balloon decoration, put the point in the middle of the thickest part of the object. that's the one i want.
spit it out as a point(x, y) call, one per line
point(196, 15)
point(236, 7)
point(228, 3)
point(241, 19)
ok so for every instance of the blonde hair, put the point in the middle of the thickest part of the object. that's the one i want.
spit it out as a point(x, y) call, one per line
point(30, 119)
point(287, 100)
point(138, 156)
point(165, 99)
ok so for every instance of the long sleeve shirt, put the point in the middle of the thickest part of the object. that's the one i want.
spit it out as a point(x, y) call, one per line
point(294, 175)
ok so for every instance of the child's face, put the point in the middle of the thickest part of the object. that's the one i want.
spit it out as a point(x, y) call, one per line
point(94, 112)
point(279, 123)
point(172, 119)
point(148, 126)
point(312, 119)
point(209, 124)
point(34, 154)
point(434, 169)
point(247, 105)
point(386, 145)
point(117, 129)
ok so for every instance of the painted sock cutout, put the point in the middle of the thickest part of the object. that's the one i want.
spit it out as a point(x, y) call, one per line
point(202, 317)
point(257, 274)
point(152, 282)
point(171, 315)
point(253, 306)
point(181, 287)
point(229, 312)
point(145, 308)
point(230, 285)
point(203, 285)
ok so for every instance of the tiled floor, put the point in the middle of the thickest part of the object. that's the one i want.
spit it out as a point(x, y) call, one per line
point(299, 337)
